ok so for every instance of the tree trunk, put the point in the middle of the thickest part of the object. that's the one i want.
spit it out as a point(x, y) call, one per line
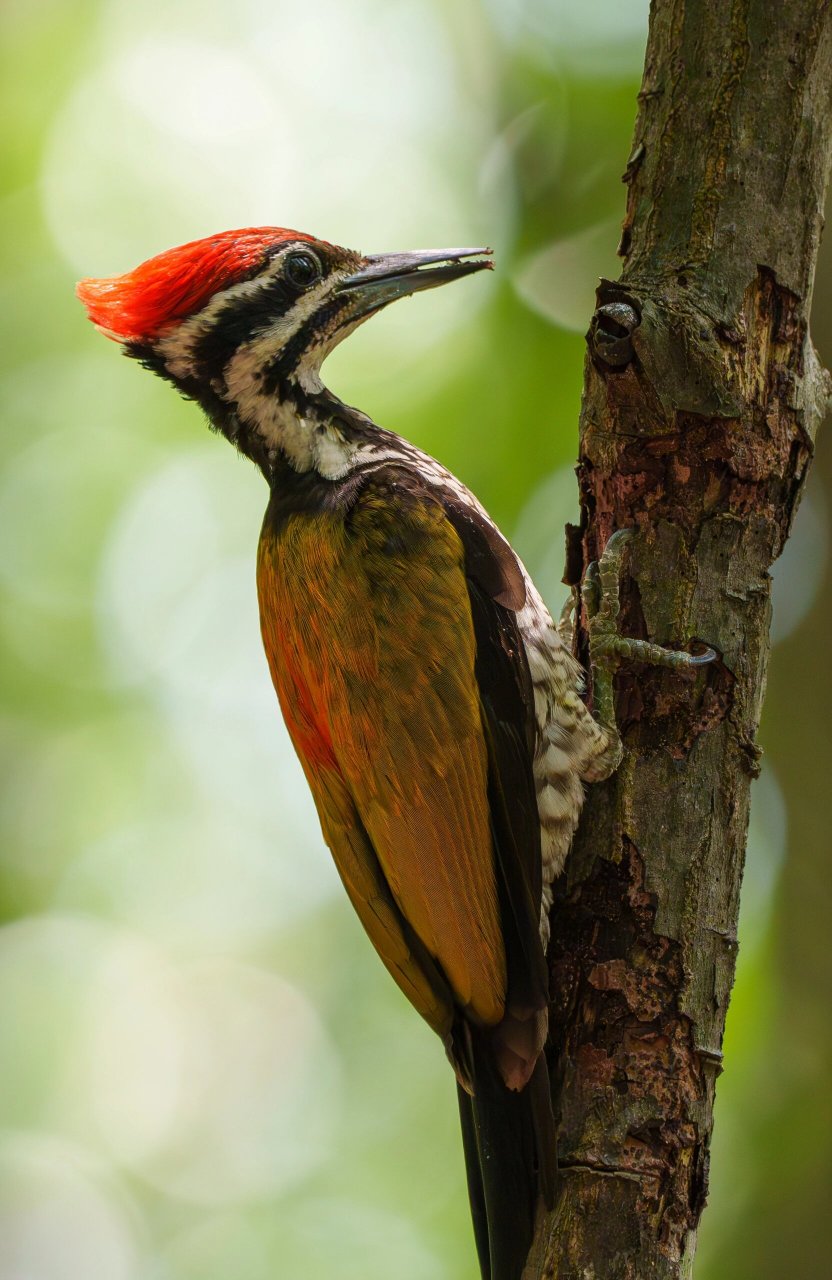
point(702, 397)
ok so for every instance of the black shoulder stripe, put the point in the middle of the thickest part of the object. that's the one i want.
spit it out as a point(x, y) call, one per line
point(507, 701)
point(489, 559)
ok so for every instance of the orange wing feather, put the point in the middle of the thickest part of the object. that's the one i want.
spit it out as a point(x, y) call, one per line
point(368, 631)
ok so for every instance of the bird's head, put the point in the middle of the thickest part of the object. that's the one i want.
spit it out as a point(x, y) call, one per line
point(242, 322)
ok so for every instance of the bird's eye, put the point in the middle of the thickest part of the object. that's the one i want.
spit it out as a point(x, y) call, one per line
point(302, 268)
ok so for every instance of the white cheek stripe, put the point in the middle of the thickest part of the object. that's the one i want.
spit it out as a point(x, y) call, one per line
point(177, 347)
point(307, 443)
point(313, 442)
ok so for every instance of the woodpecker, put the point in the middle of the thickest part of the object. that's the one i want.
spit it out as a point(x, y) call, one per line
point(436, 709)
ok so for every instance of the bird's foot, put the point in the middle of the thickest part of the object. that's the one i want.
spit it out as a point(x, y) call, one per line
point(565, 625)
point(607, 647)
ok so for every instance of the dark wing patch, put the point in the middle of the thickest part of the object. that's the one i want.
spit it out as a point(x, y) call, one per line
point(489, 560)
point(507, 702)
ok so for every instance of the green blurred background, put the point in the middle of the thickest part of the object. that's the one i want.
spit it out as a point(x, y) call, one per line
point(205, 1073)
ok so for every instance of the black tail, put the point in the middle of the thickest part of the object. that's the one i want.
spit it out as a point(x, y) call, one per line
point(509, 1142)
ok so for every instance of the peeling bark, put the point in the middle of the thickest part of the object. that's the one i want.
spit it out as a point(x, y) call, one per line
point(702, 398)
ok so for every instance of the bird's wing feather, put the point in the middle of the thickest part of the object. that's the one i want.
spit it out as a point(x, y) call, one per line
point(410, 741)
point(371, 638)
point(404, 956)
point(507, 702)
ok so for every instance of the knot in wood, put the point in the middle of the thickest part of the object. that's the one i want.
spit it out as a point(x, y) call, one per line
point(610, 333)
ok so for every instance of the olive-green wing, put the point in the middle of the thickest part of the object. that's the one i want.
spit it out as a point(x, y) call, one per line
point(403, 954)
point(409, 741)
point(368, 624)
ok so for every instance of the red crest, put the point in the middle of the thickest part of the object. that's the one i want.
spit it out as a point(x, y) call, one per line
point(142, 303)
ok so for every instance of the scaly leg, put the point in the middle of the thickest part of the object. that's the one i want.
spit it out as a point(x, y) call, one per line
point(607, 647)
point(565, 625)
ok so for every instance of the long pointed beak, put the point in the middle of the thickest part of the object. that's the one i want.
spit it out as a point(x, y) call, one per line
point(384, 277)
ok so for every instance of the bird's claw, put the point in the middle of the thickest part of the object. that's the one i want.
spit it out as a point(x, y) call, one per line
point(600, 594)
point(565, 625)
point(607, 647)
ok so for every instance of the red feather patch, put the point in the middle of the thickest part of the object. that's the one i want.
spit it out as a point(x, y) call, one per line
point(142, 303)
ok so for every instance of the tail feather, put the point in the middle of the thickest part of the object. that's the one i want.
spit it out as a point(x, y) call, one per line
point(509, 1144)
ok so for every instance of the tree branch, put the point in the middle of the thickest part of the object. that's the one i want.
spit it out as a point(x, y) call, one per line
point(702, 397)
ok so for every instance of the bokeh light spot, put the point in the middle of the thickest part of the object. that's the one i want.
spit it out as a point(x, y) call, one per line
point(559, 281)
point(245, 1058)
point(60, 1218)
point(798, 575)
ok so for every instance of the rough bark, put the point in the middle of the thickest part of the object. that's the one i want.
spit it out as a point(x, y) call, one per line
point(701, 401)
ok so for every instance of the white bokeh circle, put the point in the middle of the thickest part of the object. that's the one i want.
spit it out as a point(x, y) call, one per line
point(61, 1216)
point(213, 1080)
